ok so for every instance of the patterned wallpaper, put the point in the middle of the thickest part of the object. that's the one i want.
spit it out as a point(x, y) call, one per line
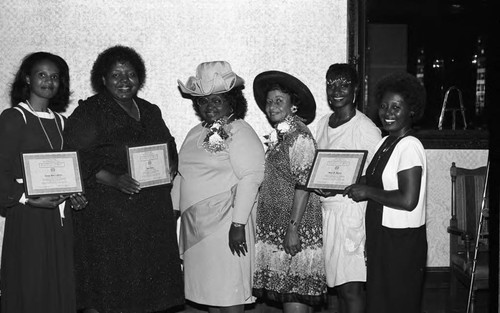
point(173, 37)
point(296, 36)
point(439, 197)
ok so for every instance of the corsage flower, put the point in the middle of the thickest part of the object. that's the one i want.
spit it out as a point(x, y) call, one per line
point(217, 135)
point(279, 131)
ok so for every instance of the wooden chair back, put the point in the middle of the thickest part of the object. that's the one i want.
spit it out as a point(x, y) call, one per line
point(466, 201)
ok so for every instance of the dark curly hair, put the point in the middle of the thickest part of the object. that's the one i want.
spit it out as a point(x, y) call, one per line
point(108, 58)
point(343, 70)
point(408, 87)
point(235, 98)
point(20, 91)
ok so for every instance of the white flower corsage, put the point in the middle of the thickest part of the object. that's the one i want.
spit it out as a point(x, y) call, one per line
point(279, 131)
point(216, 138)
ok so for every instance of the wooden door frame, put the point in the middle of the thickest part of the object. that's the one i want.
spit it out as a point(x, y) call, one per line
point(356, 46)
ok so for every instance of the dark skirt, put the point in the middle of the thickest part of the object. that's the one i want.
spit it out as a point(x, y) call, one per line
point(37, 261)
point(126, 254)
point(396, 261)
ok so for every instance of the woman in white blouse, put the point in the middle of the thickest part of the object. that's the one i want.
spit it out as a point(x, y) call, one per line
point(395, 189)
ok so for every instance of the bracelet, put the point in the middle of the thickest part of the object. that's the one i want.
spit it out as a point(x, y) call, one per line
point(234, 224)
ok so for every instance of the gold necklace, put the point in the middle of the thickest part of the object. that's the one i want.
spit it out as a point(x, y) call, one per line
point(43, 128)
point(385, 149)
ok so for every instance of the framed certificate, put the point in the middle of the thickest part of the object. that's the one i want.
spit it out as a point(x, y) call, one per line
point(334, 170)
point(51, 173)
point(149, 165)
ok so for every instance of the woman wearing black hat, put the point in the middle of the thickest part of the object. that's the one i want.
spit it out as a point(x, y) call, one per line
point(289, 259)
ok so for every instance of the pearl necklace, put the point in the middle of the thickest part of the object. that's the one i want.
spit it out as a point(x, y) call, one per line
point(387, 148)
point(43, 128)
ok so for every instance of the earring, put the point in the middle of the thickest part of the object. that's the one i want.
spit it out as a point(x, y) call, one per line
point(294, 109)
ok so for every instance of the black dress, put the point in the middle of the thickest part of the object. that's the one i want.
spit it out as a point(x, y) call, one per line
point(37, 253)
point(126, 253)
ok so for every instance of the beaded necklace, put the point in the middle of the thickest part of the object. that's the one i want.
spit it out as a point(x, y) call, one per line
point(385, 149)
point(43, 128)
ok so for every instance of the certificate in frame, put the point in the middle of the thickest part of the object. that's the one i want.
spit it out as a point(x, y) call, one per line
point(149, 164)
point(334, 170)
point(51, 173)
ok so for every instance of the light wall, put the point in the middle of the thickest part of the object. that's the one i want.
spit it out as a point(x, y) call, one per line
point(296, 36)
point(439, 198)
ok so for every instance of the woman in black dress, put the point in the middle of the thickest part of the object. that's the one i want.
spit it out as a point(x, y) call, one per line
point(126, 253)
point(37, 253)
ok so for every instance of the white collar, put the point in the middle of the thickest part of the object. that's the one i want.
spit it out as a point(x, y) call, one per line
point(47, 115)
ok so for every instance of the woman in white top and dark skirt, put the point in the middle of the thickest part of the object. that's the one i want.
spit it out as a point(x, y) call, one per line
point(395, 189)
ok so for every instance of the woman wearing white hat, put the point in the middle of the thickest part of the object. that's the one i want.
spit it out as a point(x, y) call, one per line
point(221, 166)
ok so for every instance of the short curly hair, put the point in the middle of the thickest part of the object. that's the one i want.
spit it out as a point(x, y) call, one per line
point(408, 87)
point(343, 70)
point(20, 91)
point(236, 100)
point(108, 58)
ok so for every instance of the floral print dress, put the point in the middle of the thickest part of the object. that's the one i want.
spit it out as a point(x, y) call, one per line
point(279, 276)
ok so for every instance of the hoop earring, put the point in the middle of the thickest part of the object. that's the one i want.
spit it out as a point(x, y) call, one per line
point(294, 109)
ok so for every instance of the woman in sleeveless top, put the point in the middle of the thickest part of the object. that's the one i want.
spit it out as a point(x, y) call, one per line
point(395, 189)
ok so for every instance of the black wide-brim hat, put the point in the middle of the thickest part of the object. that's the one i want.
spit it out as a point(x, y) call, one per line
point(307, 106)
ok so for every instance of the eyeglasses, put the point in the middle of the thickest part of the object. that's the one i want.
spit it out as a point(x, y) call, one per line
point(214, 100)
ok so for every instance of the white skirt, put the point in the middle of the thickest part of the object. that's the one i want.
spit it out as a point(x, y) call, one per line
point(214, 276)
point(344, 240)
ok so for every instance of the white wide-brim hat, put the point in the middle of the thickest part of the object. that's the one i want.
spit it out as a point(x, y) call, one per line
point(211, 78)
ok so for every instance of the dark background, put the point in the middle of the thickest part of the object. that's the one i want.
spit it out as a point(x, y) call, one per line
point(444, 29)
point(449, 30)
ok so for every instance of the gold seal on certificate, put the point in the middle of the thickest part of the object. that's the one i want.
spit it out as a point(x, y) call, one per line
point(149, 165)
point(51, 173)
point(336, 169)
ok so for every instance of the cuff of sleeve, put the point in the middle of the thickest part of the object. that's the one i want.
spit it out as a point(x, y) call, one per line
point(300, 187)
point(239, 221)
point(23, 199)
